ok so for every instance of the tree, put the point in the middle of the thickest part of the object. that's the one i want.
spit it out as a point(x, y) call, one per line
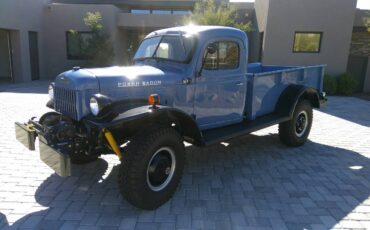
point(207, 12)
point(96, 47)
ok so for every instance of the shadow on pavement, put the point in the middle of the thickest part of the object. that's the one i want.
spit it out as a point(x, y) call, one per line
point(249, 181)
point(349, 108)
point(39, 87)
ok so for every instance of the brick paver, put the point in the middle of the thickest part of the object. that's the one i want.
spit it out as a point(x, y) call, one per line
point(252, 182)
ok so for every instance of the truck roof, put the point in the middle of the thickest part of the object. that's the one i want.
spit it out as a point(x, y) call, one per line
point(204, 30)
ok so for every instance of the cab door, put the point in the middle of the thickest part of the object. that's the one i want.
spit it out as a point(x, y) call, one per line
point(221, 85)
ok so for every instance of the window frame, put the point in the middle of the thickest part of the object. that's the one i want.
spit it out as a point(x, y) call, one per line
point(161, 11)
point(143, 11)
point(186, 61)
point(308, 32)
point(181, 12)
point(75, 57)
point(169, 11)
point(218, 55)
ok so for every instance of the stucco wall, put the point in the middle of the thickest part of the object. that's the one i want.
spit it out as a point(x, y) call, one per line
point(59, 18)
point(262, 8)
point(332, 17)
point(129, 20)
point(20, 17)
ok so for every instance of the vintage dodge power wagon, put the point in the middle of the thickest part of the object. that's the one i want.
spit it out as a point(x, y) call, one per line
point(191, 84)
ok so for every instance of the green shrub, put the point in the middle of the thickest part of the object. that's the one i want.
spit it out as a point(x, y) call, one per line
point(346, 84)
point(330, 84)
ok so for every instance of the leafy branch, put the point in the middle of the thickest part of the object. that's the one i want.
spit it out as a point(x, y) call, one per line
point(207, 12)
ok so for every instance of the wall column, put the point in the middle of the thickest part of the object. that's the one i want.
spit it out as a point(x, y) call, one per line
point(367, 78)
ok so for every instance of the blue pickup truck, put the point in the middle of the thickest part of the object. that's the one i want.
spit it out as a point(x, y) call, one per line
point(188, 84)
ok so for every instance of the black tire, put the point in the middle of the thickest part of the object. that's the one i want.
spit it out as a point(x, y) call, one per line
point(135, 180)
point(295, 131)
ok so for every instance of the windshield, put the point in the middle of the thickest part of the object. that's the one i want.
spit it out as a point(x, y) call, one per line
point(169, 47)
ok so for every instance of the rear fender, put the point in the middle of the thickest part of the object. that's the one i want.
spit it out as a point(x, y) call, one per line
point(291, 96)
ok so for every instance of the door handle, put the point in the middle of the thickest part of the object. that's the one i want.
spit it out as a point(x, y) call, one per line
point(240, 84)
point(186, 81)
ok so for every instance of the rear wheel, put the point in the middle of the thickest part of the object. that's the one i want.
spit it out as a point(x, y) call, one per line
point(152, 167)
point(295, 131)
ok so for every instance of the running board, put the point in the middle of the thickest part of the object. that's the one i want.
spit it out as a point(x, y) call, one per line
point(216, 135)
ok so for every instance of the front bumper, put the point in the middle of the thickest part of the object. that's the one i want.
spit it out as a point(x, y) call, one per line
point(27, 133)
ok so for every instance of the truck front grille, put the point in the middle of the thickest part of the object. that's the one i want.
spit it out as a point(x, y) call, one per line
point(65, 101)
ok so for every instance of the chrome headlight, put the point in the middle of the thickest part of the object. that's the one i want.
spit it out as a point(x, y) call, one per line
point(100, 105)
point(51, 91)
point(94, 106)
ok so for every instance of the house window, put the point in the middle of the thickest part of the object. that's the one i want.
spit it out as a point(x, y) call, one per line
point(77, 45)
point(226, 56)
point(181, 12)
point(307, 42)
point(161, 12)
point(140, 11)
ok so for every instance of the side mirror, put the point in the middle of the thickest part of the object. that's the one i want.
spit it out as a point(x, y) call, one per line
point(211, 49)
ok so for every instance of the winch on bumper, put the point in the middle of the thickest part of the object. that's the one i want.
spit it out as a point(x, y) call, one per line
point(55, 159)
point(63, 141)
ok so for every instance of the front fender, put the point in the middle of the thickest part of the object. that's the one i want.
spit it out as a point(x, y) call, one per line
point(133, 120)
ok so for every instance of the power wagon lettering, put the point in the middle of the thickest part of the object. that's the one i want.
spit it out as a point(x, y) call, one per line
point(138, 83)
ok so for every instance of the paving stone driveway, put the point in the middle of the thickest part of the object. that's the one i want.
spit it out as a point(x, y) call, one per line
point(253, 182)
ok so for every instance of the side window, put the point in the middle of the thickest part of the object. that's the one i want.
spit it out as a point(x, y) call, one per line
point(226, 57)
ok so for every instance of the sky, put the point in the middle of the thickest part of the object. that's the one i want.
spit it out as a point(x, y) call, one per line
point(362, 4)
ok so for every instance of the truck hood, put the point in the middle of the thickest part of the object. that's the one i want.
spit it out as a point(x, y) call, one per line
point(116, 77)
point(118, 83)
point(77, 79)
point(131, 76)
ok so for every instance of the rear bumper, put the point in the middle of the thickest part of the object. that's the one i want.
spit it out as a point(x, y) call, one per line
point(59, 162)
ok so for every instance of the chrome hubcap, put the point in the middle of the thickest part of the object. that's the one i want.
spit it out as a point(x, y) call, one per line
point(161, 169)
point(301, 123)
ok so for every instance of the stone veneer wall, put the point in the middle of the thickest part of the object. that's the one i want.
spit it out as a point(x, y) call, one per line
point(360, 45)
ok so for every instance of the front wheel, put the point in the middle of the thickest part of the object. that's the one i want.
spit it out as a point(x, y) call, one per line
point(152, 167)
point(295, 131)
